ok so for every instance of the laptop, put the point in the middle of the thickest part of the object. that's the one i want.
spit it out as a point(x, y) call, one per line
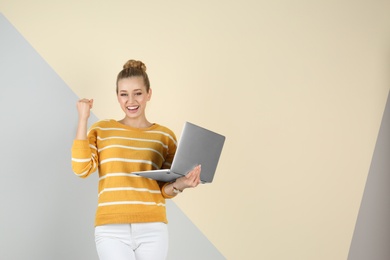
point(197, 145)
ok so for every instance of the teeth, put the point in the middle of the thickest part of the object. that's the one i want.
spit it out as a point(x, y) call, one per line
point(132, 108)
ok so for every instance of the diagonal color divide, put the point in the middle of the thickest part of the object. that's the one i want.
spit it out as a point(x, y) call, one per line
point(47, 212)
point(371, 238)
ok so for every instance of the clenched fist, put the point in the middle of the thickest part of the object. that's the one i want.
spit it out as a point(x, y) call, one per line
point(83, 107)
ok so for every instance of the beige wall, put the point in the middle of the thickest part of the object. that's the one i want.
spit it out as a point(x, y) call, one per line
point(297, 88)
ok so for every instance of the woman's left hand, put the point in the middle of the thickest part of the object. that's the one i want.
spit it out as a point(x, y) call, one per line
point(190, 180)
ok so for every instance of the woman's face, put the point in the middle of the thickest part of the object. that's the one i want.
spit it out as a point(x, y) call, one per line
point(132, 97)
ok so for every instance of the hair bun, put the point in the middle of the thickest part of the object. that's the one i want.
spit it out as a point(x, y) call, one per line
point(135, 64)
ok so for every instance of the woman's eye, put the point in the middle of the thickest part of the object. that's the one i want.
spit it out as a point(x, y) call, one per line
point(138, 93)
point(123, 95)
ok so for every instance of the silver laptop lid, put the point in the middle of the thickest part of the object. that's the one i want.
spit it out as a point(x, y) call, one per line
point(198, 146)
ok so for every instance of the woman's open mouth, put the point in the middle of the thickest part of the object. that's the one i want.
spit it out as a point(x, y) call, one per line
point(132, 108)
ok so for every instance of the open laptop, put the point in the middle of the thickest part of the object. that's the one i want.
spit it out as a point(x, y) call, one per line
point(197, 145)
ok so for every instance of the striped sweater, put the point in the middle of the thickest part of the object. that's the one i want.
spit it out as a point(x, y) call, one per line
point(116, 150)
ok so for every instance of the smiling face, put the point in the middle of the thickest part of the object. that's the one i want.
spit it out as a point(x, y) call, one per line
point(132, 97)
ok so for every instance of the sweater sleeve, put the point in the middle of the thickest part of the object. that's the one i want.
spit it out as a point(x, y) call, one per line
point(172, 146)
point(84, 157)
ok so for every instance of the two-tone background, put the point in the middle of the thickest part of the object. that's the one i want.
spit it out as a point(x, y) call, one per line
point(299, 88)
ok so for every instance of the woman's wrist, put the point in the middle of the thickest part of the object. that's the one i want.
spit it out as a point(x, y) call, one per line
point(175, 188)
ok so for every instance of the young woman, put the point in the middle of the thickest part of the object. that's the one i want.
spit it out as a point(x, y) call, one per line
point(131, 218)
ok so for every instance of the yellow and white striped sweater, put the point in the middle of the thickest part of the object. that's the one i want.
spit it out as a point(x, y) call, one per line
point(118, 150)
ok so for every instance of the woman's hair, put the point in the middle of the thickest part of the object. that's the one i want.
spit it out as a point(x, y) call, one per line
point(133, 68)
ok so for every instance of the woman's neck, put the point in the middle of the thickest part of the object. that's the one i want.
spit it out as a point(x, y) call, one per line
point(136, 123)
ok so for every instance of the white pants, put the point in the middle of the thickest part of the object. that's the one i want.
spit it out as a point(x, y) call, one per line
point(140, 241)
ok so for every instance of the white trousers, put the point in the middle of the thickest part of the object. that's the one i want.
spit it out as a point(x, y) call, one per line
point(140, 241)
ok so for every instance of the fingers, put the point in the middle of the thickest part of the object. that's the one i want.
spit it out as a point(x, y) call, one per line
point(84, 106)
point(197, 175)
point(193, 177)
point(191, 180)
point(86, 101)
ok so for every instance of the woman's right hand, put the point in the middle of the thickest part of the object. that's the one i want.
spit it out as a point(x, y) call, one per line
point(84, 107)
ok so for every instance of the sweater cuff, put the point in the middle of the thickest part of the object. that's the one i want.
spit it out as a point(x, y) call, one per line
point(165, 195)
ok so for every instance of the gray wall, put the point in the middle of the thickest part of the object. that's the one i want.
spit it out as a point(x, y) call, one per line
point(371, 239)
point(46, 211)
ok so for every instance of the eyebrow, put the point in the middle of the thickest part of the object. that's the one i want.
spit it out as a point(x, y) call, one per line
point(133, 90)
